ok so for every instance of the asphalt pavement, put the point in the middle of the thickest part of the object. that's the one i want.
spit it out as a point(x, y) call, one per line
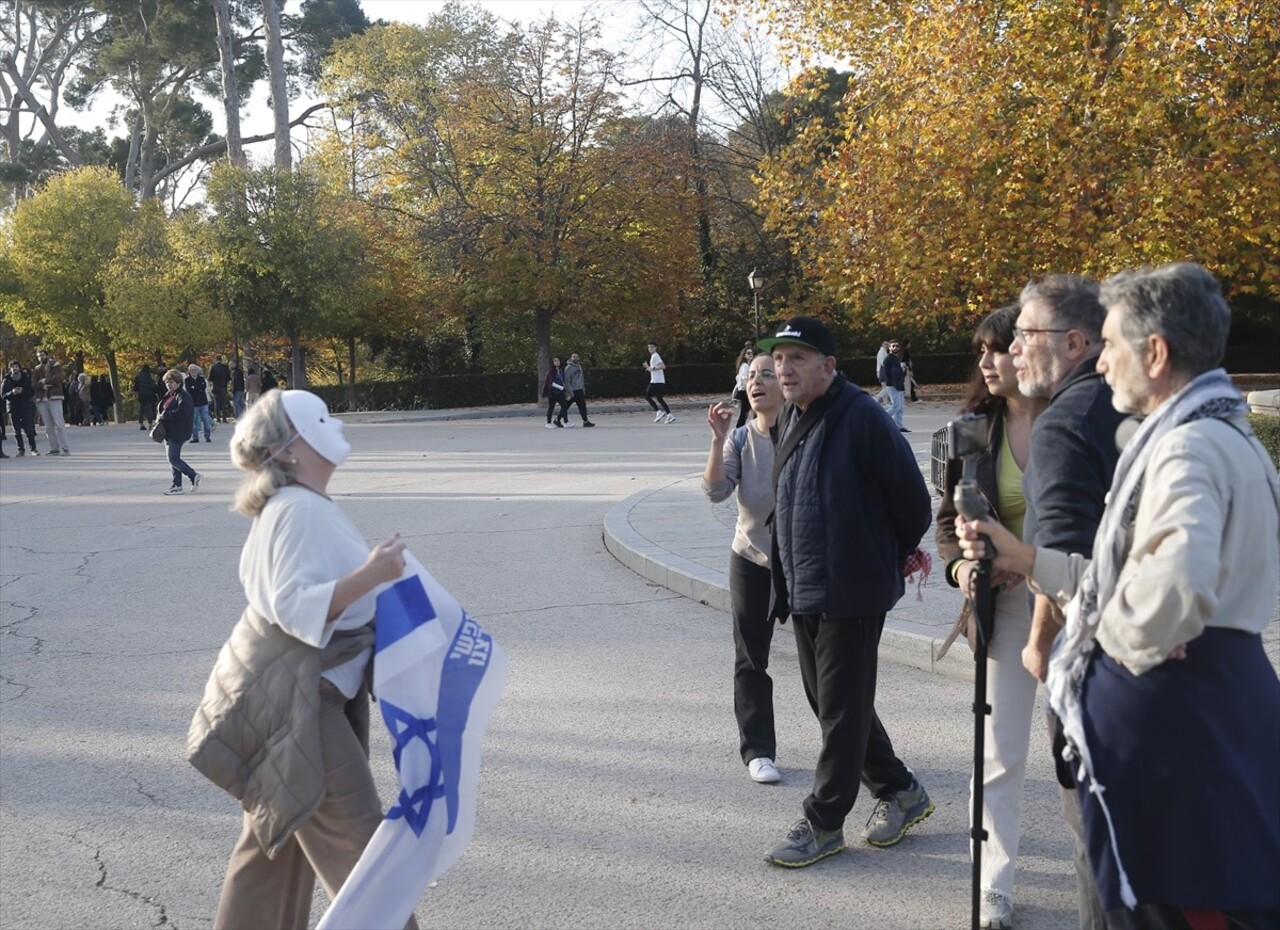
point(612, 793)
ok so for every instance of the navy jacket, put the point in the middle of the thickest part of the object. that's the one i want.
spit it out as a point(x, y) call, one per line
point(198, 388)
point(850, 506)
point(1073, 456)
point(891, 372)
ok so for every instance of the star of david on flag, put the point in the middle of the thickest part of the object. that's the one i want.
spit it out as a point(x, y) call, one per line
point(437, 676)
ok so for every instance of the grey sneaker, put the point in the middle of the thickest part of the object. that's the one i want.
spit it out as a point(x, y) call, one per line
point(195, 482)
point(176, 489)
point(995, 910)
point(804, 846)
point(894, 814)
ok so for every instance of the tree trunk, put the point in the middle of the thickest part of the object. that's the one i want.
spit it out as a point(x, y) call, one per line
point(298, 371)
point(542, 324)
point(135, 148)
point(230, 90)
point(279, 90)
point(351, 373)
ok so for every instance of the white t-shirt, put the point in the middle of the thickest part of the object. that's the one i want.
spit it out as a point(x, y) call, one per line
point(656, 374)
point(298, 548)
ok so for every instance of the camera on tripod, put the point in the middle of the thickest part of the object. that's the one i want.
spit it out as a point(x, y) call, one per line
point(966, 441)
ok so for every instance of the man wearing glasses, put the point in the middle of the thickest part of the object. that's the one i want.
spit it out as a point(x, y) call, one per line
point(1057, 340)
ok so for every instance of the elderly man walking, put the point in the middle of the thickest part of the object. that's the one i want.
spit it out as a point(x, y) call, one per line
point(1169, 704)
point(850, 507)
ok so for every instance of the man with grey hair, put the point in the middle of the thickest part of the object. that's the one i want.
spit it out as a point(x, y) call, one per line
point(1160, 676)
point(1057, 338)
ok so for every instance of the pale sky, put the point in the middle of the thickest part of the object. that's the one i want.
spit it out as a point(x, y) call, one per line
point(257, 117)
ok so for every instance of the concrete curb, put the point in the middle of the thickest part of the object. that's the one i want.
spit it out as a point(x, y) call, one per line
point(708, 586)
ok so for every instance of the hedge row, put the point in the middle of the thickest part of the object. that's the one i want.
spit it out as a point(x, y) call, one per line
point(1267, 428)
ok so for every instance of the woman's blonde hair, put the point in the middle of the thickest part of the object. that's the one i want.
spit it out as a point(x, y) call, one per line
point(173, 375)
point(263, 425)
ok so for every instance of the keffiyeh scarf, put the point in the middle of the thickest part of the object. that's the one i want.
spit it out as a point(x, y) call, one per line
point(1211, 395)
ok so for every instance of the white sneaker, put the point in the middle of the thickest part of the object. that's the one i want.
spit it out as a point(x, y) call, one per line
point(671, 417)
point(570, 423)
point(763, 771)
point(995, 910)
point(550, 426)
point(657, 417)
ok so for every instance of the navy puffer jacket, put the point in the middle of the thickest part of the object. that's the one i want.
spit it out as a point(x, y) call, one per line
point(851, 505)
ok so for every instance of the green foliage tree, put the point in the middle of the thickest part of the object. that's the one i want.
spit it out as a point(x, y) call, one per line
point(63, 241)
point(283, 255)
point(153, 299)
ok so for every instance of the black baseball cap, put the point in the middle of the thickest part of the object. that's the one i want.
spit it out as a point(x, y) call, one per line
point(802, 331)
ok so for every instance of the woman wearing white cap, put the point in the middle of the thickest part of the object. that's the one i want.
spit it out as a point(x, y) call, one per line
point(294, 671)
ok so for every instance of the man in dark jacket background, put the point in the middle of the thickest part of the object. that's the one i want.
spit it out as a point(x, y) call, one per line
point(220, 377)
point(850, 507)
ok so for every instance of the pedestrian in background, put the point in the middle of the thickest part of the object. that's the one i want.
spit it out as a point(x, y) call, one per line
point(19, 395)
point(576, 385)
point(740, 383)
point(237, 388)
point(144, 387)
point(198, 388)
point(656, 392)
point(742, 460)
point(554, 391)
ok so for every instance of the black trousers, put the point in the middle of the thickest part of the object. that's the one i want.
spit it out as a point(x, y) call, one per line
point(749, 586)
point(838, 662)
point(655, 396)
point(580, 398)
point(24, 421)
point(551, 406)
point(220, 405)
point(147, 410)
point(744, 406)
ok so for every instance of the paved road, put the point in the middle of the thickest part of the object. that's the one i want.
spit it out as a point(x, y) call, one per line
point(612, 793)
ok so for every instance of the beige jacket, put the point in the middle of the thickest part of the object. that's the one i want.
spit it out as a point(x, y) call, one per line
point(1205, 547)
point(256, 733)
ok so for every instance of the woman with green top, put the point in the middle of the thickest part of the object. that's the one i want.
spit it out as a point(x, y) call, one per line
point(742, 458)
point(1011, 690)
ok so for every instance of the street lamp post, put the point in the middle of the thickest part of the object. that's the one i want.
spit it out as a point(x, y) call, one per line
point(756, 280)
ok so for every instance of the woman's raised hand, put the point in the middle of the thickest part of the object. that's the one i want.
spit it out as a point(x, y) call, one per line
point(719, 416)
point(386, 561)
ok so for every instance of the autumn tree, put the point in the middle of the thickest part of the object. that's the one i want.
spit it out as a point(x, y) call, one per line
point(980, 143)
point(508, 151)
point(63, 242)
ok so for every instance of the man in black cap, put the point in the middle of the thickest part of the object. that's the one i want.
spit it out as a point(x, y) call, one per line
point(850, 507)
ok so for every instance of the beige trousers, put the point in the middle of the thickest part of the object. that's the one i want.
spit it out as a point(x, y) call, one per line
point(276, 893)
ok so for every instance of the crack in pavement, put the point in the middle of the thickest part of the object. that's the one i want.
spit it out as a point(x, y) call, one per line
point(148, 899)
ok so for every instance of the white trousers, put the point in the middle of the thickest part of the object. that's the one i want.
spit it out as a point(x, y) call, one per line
point(54, 426)
point(1011, 692)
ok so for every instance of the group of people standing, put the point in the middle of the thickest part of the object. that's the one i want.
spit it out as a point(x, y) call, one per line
point(1135, 566)
point(41, 390)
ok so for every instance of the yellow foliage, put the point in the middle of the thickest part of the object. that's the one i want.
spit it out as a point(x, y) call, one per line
point(985, 142)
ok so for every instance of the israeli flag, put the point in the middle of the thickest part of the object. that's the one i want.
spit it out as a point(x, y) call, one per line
point(438, 677)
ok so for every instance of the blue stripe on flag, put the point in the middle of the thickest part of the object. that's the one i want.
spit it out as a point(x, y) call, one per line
point(464, 669)
point(402, 608)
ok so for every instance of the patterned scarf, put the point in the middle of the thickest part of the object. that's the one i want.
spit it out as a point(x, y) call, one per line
point(1211, 395)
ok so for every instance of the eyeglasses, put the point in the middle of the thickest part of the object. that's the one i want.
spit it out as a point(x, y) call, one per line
point(1024, 333)
point(762, 375)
